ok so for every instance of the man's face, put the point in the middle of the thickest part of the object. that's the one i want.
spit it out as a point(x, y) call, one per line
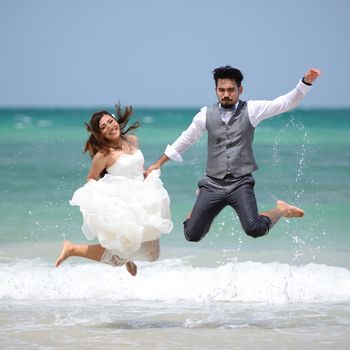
point(228, 92)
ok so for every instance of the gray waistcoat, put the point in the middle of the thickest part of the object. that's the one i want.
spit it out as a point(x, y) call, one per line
point(230, 145)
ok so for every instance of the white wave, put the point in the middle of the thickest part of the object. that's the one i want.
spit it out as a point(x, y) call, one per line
point(148, 119)
point(23, 121)
point(44, 123)
point(172, 280)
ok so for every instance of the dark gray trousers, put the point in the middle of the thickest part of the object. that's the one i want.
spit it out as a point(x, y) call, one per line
point(214, 195)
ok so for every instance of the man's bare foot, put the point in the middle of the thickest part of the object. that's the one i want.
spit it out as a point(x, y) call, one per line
point(289, 210)
point(131, 267)
point(65, 252)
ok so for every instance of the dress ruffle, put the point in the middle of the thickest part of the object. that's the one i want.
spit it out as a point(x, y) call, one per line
point(124, 212)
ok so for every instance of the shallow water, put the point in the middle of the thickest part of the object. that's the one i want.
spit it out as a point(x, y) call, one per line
point(287, 290)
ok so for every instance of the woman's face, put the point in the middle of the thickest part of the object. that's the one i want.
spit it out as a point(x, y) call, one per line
point(109, 128)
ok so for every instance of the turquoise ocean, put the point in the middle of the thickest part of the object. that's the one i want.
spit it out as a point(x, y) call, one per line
point(287, 290)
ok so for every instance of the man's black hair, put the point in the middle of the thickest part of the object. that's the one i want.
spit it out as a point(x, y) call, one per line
point(227, 72)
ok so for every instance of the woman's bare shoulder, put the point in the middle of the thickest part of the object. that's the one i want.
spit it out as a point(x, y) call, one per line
point(133, 141)
point(132, 138)
point(100, 157)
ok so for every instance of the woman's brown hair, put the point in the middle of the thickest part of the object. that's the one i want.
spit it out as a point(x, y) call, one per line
point(97, 143)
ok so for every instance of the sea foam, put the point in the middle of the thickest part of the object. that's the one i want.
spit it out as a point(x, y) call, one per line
point(173, 280)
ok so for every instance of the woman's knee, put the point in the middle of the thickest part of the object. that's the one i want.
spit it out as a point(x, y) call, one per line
point(154, 256)
point(154, 251)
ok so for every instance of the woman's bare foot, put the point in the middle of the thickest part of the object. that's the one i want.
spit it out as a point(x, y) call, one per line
point(65, 252)
point(289, 210)
point(131, 267)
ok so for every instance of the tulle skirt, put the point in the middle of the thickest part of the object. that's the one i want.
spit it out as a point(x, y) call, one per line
point(122, 213)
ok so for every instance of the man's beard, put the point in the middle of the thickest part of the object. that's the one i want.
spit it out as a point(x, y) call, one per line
point(227, 104)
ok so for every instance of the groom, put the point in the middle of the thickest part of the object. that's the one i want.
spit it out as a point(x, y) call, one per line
point(230, 124)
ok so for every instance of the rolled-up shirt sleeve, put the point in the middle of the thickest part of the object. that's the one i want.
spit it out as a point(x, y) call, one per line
point(188, 137)
point(260, 109)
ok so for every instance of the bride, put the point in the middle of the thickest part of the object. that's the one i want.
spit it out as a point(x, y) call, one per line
point(124, 211)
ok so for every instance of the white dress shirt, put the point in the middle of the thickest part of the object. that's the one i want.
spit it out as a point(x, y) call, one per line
point(258, 110)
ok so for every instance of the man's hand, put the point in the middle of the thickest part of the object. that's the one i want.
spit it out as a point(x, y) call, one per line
point(163, 159)
point(152, 167)
point(312, 75)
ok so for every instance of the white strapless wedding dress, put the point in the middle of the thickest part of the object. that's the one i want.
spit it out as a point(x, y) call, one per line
point(123, 210)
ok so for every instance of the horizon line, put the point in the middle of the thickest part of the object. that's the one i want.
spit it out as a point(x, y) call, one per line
point(100, 106)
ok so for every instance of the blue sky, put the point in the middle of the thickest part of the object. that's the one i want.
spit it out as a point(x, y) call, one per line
point(162, 53)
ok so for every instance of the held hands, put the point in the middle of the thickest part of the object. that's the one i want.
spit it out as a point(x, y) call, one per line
point(312, 75)
point(154, 166)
